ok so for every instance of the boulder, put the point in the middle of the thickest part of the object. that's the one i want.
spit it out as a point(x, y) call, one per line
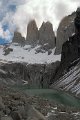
point(2, 106)
point(16, 116)
point(33, 114)
point(6, 118)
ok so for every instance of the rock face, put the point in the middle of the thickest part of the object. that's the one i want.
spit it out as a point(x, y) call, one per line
point(46, 35)
point(71, 48)
point(70, 80)
point(65, 30)
point(70, 55)
point(68, 73)
point(32, 33)
point(34, 76)
point(18, 38)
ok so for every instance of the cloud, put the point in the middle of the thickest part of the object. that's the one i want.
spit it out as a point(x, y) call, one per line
point(7, 10)
point(6, 35)
point(17, 14)
point(60, 10)
point(43, 10)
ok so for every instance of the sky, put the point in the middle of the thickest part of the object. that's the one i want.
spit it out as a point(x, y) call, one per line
point(15, 15)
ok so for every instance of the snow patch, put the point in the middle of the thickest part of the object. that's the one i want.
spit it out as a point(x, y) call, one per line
point(29, 55)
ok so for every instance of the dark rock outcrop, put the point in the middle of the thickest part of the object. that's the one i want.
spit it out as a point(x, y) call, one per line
point(46, 35)
point(7, 51)
point(18, 39)
point(77, 21)
point(70, 55)
point(70, 50)
point(65, 30)
point(32, 33)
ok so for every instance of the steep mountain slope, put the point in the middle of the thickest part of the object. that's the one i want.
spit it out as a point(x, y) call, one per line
point(70, 81)
point(69, 70)
point(65, 30)
point(31, 75)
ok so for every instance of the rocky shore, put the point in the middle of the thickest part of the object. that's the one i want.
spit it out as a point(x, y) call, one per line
point(15, 105)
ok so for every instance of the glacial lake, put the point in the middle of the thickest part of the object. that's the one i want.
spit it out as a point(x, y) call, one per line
point(53, 95)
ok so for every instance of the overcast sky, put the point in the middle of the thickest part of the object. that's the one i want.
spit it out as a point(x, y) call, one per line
point(16, 15)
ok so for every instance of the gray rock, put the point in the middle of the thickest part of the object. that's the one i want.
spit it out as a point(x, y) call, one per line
point(6, 118)
point(33, 114)
point(2, 106)
point(40, 76)
point(7, 110)
point(59, 116)
point(52, 117)
point(49, 52)
point(32, 33)
point(21, 110)
point(65, 30)
point(18, 39)
point(46, 35)
point(16, 116)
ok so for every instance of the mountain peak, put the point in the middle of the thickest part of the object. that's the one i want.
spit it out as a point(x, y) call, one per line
point(46, 34)
point(18, 38)
point(32, 33)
